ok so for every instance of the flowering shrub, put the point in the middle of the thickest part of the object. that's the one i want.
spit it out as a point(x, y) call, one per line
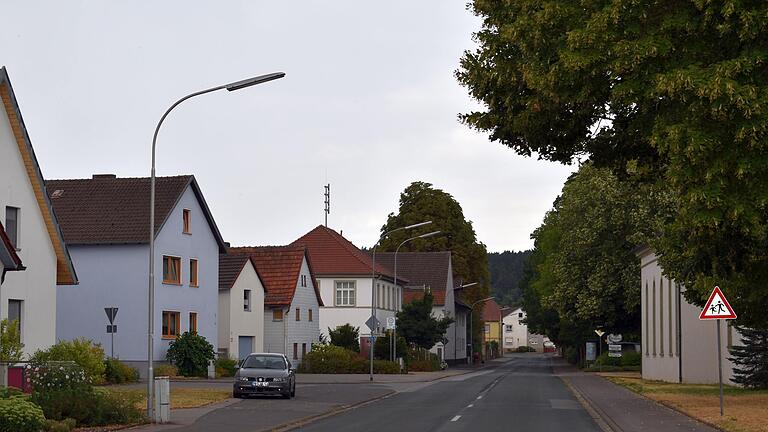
point(17, 414)
point(84, 352)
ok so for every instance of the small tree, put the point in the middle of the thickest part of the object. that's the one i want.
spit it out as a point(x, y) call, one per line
point(751, 359)
point(417, 325)
point(11, 348)
point(346, 336)
point(191, 354)
point(383, 347)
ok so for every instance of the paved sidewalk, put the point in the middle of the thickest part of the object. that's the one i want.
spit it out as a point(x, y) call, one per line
point(619, 409)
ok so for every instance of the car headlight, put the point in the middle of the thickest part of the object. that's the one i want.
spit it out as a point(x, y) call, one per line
point(279, 379)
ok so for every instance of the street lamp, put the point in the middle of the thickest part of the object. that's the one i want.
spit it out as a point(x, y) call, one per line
point(151, 300)
point(373, 281)
point(471, 323)
point(394, 332)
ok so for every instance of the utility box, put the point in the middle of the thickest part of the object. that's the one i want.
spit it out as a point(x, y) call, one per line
point(212, 369)
point(162, 400)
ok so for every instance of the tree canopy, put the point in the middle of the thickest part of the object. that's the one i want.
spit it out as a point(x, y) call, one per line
point(345, 336)
point(506, 270)
point(670, 92)
point(417, 325)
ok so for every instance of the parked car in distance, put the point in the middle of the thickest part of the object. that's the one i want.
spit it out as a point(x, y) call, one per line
point(265, 373)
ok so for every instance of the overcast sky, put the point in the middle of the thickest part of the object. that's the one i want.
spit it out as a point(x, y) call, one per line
point(369, 104)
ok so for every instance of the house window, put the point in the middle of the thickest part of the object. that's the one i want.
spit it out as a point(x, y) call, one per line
point(508, 327)
point(277, 314)
point(171, 324)
point(247, 300)
point(193, 322)
point(12, 225)
point(303, 350)
point(171, 270)
point(519, 314)
point(295, 351)
point(345, 293)
point(193, 273)
point(303, 280)
point(14, 313)
point(298, 314)
point(309, 315)
point(187, 216)
point(487, 328)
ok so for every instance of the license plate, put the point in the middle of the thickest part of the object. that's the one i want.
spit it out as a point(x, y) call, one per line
point(260, 384)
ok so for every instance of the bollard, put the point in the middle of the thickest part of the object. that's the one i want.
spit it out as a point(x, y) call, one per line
point(162, 400)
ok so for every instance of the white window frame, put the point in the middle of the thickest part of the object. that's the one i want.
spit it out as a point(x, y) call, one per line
point(350, 288)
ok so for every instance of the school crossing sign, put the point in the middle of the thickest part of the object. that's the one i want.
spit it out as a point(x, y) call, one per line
point(717, 307)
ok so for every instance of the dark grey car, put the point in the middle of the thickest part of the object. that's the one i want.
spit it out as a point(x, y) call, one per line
point(265, 373)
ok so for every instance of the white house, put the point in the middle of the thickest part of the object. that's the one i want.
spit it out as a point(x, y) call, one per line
point(676, 345)
point(241, 307)
point(433, 272)
point(515, 330)
point(344, 278)
point(292, 302)
point(9, 259)
point(31, 229)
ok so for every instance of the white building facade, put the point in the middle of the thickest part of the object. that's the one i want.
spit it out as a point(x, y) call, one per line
point(241, 307)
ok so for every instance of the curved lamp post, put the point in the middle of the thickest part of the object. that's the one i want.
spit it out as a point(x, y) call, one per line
point(471, 323)
point(373, 281)
point(151, 298)
point(394, 332)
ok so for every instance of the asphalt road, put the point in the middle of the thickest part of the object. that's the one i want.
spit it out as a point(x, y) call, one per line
point(520, 395)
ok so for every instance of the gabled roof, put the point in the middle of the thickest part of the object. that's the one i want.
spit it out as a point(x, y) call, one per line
point(65, 271)
point(422, 268)
point(230, 267)
point(332, 254)
point(110, 210)
point(491, 311)
point(8, 256)
point(279, 268)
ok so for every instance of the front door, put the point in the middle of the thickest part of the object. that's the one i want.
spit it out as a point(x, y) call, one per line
point(245, 346)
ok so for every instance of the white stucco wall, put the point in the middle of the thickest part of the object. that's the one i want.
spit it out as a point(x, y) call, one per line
point(662, 351)
point(332, 316)
point(518, 336)
point(234, 321)
point(280, 336)
point(35, 286)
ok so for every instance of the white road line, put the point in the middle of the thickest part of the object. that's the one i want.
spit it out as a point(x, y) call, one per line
point(480, 397)
point(470, 405)
point(455, 418)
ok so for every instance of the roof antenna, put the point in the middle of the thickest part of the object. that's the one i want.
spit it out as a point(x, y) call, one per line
point(327, 202)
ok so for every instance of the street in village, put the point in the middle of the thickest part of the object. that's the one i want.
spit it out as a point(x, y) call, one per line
point(517, 392)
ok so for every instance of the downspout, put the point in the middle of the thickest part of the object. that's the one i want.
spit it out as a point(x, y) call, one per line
point(285, 334)
point(679, 338)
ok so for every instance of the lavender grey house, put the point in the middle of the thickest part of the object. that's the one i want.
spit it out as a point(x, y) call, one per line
point(105, 221)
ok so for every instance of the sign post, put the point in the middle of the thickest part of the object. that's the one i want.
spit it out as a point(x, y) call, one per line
point(112, 327)
point(717, 308)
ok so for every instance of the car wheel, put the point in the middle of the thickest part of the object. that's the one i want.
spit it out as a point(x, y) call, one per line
point(237, 395)
point(293, 391)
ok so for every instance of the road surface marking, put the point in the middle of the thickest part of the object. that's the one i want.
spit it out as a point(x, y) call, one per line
point(470, 405)
point(455, 418)
point(480, 397)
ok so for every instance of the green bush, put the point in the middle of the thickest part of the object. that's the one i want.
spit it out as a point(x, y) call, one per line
point(381, 349)
point(191, 354)
point(571, 355)
point(117, 372)
point(631, 358)
point(605, 360)
point(65, 425)
point(346, 336)
point(89, 355)
point(523, 349)
point(330, 359)
point(384, 367)
point(166, 370)
point(17, 414)
point(225, 367)
point(8, 392)
point(11, 348)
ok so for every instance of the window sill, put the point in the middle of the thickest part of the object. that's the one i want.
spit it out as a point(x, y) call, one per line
point(194, 286)
point(187, 232)
point(171, 283)
point(169, 337)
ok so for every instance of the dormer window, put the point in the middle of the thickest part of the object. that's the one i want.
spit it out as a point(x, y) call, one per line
point(187, 216)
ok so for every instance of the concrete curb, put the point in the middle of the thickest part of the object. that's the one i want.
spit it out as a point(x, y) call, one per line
point(313, 418)
point(603, 420)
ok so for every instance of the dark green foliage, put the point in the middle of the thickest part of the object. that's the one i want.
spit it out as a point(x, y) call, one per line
point(506, 271)
point(18, 414)
point(421, 360)
point(84, 352)
point(225, 367)
point(382, 348)
point(11, 348)
point(7, 392)
point(416, 324)
point(524, 349)
point(191, 354)
point(346, 336)
point(332, 359)
point(672, 93)
point(117, 372)
point(65, 425)
point(751, 359)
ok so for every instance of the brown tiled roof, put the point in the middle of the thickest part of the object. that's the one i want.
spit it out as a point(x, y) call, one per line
point(422, 268)
point(411, 294)
point(332, 254)
point(279, 268)
point(491, 311)
point(230, 267)
point(110, 210)
point(65, 270)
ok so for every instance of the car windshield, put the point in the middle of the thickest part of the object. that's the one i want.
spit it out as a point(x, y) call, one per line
point(264, 362)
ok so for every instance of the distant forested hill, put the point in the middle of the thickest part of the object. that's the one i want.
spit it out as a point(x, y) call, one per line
point(506, 272)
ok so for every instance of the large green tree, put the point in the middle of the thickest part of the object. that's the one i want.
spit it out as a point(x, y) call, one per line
point(670, 91)
point(417, 325)
point(421, 202)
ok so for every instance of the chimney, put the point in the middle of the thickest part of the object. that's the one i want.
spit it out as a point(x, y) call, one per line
point(104, 176)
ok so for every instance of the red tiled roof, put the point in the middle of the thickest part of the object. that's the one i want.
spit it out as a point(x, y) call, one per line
point(279, 268)
point(110, 210)
point(411, 294)
point(230, 267)
point(422, 268)
point(332, 254)
point(491, 311)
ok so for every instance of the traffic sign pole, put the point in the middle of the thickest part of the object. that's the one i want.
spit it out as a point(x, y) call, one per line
point(720, 366)
point(717, 308)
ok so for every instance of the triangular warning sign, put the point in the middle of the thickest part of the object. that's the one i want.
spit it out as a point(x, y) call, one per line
point(717, 307)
